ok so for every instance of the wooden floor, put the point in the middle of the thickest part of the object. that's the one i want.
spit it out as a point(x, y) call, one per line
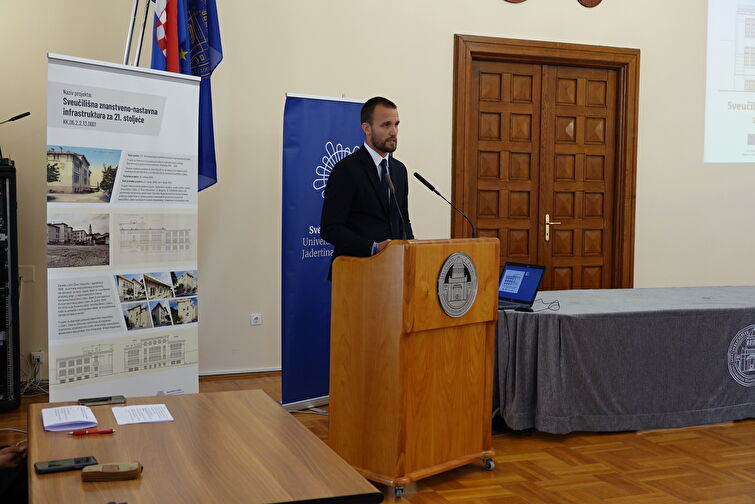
point(712, 464)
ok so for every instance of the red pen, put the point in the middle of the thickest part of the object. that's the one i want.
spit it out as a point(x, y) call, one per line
point(91, 431)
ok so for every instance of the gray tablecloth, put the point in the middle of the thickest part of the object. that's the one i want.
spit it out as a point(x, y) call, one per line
point(628, 359)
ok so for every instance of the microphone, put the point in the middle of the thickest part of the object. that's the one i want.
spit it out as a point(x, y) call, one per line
point(393, 197)
point(432, 188)
point(16, 118)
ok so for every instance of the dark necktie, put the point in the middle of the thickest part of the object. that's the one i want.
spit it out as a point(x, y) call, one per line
point(384, 180)
point(393, 217)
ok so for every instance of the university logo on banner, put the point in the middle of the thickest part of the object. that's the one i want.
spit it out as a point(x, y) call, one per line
point(333, 154)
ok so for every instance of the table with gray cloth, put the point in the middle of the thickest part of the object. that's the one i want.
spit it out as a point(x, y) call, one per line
point(628, 359)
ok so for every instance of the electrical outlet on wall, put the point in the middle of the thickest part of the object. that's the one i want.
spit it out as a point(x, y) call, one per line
point(37, 357)
point(255, 319)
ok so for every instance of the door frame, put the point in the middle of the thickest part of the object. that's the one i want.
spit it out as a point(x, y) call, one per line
point(468, 48)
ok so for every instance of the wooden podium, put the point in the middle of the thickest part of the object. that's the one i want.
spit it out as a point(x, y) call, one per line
point(410, 386)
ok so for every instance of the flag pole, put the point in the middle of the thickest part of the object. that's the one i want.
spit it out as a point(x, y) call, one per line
point(130, 33)
point(141, 36)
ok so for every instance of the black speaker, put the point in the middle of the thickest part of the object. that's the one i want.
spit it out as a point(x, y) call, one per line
point(10, 375)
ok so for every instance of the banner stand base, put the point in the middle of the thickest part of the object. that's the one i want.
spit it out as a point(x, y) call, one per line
point(306, 404)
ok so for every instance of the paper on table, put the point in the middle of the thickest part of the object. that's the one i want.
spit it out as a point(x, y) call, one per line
point(66, 418)
point(142, 413)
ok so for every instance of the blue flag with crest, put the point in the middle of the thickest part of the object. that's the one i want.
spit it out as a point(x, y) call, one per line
point(186, 39)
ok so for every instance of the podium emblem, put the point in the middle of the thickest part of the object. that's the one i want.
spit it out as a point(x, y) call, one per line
point(457, 284)
point(742, 357)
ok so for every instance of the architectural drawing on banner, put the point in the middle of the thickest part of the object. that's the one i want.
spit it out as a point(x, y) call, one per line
point(184, 310)
point(154, 353)
point(155, 238)
point(158, 285)
point(93, 362)
point(744, 66)
point(144, 239)
point(160, 313)
point(185, 283)
point(130, 287)
point(137, 316)
point(81, 174)
point(77, 239)
point(82, 364)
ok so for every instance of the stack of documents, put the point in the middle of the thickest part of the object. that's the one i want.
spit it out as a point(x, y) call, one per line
point(68, 418)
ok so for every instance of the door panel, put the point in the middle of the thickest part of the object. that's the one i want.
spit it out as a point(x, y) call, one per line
point(578, 172)
point(544, 144)
point(504, 176)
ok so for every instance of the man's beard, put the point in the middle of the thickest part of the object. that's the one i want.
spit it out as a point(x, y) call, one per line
point(384, 146)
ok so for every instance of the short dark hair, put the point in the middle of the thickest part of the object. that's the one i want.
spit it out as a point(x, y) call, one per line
point(368, 108)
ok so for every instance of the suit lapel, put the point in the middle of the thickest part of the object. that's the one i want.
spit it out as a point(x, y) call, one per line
point(369, 166)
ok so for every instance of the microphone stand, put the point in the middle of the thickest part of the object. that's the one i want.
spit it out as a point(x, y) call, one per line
point(432, 188)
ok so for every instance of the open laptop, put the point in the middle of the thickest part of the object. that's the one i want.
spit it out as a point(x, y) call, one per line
point(518, 285)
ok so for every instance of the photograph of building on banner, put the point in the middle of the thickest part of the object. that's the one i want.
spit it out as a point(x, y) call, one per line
point(77, 239)
point(81, 174)
point(123, 289)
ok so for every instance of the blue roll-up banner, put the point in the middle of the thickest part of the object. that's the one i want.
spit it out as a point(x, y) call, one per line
point(317, 133)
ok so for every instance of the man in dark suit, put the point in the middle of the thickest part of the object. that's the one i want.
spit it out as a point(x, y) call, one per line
point(361, 213)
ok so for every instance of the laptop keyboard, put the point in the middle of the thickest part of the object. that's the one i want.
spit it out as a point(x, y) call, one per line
point(509, 304)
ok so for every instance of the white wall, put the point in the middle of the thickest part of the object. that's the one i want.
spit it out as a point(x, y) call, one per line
point(693, 221)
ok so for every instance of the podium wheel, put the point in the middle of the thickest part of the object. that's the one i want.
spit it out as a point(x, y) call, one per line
point(398, 492)
point(489, 464)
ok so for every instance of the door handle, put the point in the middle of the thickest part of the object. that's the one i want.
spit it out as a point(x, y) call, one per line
point(548, 224)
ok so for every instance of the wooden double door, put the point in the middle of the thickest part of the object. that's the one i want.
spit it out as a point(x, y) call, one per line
point(541, 165)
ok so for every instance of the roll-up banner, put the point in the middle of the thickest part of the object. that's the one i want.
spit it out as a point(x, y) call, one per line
point(122, 277)
point(317, 133)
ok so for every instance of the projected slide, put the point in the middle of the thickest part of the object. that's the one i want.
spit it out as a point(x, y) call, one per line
point(730, 90)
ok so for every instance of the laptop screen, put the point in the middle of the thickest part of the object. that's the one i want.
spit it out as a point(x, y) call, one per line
point(519, 282)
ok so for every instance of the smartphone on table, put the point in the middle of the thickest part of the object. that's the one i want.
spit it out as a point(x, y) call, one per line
point(96, 401)
point(71, 464)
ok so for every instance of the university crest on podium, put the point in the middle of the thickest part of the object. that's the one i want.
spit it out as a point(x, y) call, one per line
point(457, 284)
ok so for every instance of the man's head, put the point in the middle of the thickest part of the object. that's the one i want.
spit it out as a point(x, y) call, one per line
point(380, 124)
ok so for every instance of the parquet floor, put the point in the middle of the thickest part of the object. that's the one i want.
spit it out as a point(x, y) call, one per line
point(704, 465)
